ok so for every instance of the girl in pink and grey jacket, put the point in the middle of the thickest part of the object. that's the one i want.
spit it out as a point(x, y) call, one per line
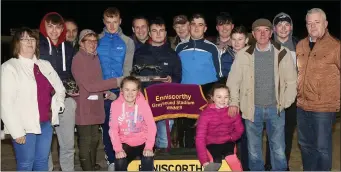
point(132, 127)
point(217, 132)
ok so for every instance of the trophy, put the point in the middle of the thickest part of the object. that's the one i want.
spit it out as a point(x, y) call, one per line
point(70, 86)
point(138, 68)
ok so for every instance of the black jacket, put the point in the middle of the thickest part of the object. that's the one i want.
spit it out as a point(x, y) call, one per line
point(163, 56)
point(56, 56)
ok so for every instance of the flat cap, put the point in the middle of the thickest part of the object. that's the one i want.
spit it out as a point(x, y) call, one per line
point(261, 22)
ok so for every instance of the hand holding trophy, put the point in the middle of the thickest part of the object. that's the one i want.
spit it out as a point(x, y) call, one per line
point(71, 87)
point(157, 69)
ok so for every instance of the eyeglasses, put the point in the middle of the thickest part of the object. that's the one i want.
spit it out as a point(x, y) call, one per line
point(91, 41)
point(28, 40)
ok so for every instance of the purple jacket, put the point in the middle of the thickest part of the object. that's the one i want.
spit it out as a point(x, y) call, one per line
point(215, 126)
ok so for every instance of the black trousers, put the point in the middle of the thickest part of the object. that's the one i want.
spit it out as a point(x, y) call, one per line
point(242, 152)
point(290, 126)
point(219, 150)
point(186, 132)
point(147, 163)
point(88, 139)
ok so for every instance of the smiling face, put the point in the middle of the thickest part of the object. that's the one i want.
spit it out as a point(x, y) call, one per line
point(283, 29)
point(262, 34)
point(54, 31)
point(221, 97)
point(27, 45)
point(89, 43)
point(71, 31)
point(182, 30)
point(129, 91)
point(225, 30)
point(140, 29)
point(198, 28)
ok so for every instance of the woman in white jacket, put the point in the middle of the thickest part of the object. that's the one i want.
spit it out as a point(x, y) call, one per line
point(30, 92)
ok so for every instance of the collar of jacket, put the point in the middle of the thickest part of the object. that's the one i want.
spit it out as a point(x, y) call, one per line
point(117, 33)
point(151, 47)
point(85, 53)
point(252, 47)
point(325, 35)
point(197, 40)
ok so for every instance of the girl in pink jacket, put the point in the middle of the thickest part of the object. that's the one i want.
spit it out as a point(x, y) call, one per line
point(132, 127)
point(217, 132)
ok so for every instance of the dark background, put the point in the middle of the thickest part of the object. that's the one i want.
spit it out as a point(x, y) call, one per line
point(88, 14)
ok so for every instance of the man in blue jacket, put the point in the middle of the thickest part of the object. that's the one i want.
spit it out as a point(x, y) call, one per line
point(158, 53)
point(115, 51)
point(200, 65)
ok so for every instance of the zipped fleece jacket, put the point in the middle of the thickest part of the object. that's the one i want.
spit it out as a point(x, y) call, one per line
point(200, 61)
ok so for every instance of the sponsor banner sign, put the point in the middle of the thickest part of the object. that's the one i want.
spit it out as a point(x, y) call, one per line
point(175, 165)
point(172, 100)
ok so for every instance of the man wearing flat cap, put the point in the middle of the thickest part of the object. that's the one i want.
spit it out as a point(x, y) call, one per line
point(262, 84)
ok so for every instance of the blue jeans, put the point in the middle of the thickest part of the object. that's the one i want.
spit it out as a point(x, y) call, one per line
point(275, 130)
point(315, 138)
point(161, 140)
point(108, 148)
point(33, 155)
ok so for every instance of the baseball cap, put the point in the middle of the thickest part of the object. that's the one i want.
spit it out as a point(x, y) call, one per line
point(180, 19)
point(282, 18)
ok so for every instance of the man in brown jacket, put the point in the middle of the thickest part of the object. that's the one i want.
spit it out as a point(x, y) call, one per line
point(318, 99)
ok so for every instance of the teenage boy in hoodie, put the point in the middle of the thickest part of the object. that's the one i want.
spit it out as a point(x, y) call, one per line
point(59, 52)
point(115, 51)
point(283, 29)
point(158, 52)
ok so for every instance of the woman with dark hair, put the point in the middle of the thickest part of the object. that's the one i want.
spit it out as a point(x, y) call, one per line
point(32, 90)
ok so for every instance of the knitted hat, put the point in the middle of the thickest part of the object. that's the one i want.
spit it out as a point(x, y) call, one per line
point(261, 22)
point(84, 33)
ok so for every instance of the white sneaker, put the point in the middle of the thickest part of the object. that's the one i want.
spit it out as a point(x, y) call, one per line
point(2, 135)
point(111, 167)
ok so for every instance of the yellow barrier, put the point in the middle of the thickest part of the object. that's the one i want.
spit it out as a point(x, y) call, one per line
point(175, 165)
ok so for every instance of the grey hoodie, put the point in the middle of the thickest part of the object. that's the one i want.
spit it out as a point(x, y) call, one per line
point(290, 43)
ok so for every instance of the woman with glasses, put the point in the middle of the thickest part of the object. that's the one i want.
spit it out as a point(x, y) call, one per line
point(30, 90)
point(87, 72)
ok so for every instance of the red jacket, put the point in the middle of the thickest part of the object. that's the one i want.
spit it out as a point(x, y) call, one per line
point(215, 126)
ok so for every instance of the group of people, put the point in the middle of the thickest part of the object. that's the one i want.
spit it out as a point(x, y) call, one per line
point(267, 77)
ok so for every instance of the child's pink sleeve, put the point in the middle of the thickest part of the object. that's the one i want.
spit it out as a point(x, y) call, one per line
point(151, 127)
point(200, 138)
point(238, 127)
point(114, 129)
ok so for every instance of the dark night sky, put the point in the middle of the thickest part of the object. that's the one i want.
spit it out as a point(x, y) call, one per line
point(88, 14)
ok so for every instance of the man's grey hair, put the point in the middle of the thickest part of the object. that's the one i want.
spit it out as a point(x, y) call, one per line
point(317, 10)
